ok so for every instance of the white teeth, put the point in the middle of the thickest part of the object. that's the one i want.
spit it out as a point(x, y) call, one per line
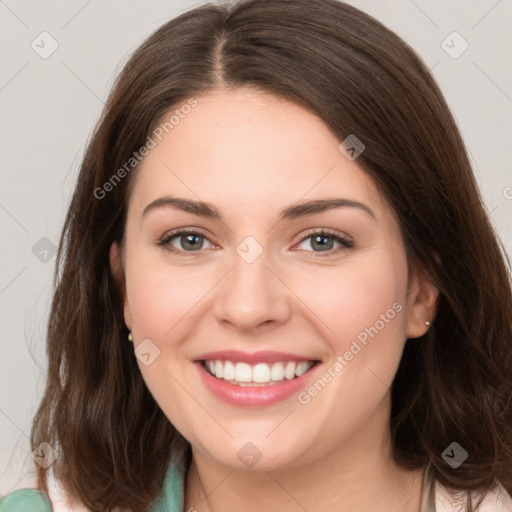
point(229, 371)
point(261, 373)
point(289, 371)
point(277, 372)
point(218, 369)
point(302, 368)
point(243, 372)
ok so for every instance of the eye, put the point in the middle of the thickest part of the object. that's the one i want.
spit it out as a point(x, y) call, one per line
point(325, 241)
point(192, 241)
point(188, 240)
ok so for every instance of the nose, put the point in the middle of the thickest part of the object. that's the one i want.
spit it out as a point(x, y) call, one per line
point(252, 296)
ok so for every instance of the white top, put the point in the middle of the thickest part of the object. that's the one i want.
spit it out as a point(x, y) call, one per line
point(440, 499)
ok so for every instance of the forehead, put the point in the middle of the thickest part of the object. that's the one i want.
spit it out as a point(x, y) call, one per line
point(250, 149)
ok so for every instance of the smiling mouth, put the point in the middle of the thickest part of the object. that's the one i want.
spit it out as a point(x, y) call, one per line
point(260, 374)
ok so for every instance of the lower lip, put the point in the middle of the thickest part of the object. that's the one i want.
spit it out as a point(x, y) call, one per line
point(253, 396)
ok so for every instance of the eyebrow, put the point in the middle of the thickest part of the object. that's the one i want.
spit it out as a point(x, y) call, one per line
point(294, 211)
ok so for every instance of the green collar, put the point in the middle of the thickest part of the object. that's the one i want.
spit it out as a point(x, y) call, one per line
point(171, 499)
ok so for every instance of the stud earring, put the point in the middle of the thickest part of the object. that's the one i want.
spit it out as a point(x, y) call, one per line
point(427, 323)
point(130, 337)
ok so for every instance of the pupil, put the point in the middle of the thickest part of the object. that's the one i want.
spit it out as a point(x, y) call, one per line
point(189, 240)
point(323, 246)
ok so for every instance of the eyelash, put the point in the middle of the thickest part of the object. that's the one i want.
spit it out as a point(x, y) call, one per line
point(165, 240)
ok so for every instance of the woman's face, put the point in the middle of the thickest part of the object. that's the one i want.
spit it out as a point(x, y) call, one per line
point(260, 296)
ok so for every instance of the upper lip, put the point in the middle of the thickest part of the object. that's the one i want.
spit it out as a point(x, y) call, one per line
point(264, 356)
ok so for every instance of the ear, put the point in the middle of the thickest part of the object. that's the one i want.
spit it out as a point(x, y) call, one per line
point(116, 267)
point(421, 304)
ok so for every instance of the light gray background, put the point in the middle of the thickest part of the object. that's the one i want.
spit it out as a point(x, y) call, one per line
point(49, 106)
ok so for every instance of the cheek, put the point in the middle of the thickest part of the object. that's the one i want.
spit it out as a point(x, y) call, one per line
point(161, 300)
point(162, 296)
point(347, 300)
point(359, 310)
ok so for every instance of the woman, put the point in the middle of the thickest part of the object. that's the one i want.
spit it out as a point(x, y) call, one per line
point(278, 211)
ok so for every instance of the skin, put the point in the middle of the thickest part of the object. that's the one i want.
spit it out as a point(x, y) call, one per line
point(251, 154)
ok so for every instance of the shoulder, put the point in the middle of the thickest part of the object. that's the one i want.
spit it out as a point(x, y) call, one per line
point(25, 499)
point(34, 500)
point(496, 500)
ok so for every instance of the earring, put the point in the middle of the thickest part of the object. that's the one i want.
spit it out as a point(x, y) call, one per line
point(427, 323)
point(130, 337)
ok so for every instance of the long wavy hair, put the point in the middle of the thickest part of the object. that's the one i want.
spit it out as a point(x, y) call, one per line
point(453, 384)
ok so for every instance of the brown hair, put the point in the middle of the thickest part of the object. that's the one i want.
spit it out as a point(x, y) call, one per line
point(453, 384)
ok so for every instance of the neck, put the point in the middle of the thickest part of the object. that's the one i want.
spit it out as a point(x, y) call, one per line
point(358, 474)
